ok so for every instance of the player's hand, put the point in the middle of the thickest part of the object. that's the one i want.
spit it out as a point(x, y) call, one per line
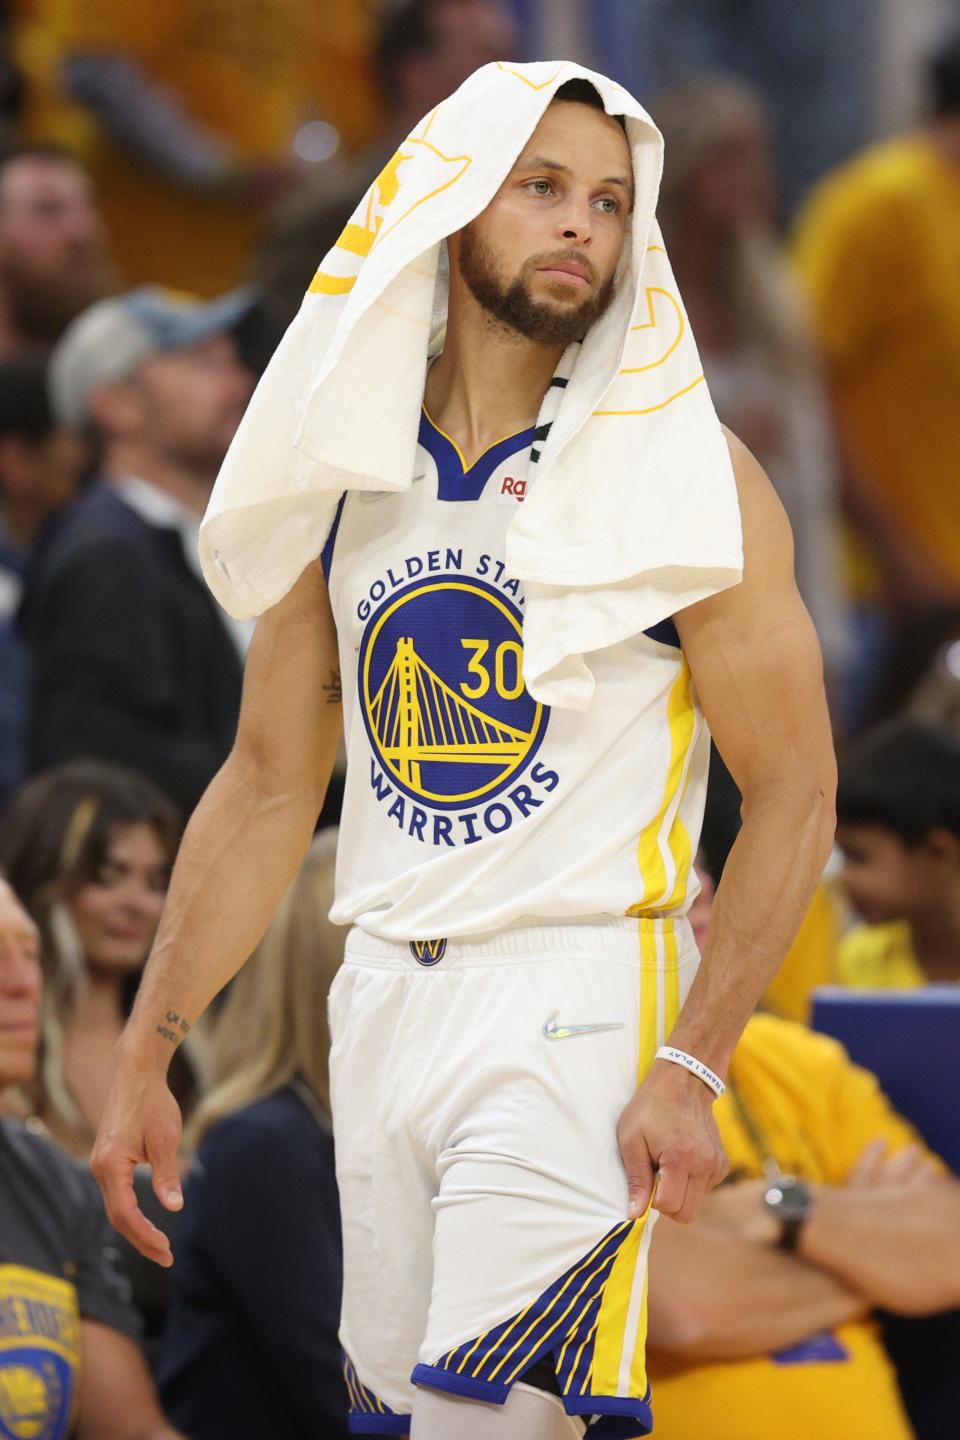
point(141, 1124)
point(670, 1144)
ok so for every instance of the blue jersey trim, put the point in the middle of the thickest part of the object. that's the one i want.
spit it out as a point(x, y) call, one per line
point(326, 554)
point(453, 481)
point(378, 1424)
point(436, 1378)
point(665, 632)
point(621, 1417)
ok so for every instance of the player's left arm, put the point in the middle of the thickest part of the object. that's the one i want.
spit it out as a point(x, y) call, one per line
point(758, 675)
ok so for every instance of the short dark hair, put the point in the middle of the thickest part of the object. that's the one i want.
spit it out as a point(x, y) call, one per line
point(903, 776)
point(943, 76)
point(407, 30)
point(24, 400)
point(582, 92)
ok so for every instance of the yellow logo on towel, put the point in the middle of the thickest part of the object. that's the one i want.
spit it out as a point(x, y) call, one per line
point(362, 234)
point(359, 239)
point(646, 383)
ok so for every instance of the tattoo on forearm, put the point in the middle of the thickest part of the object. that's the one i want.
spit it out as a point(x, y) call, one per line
point(333, 689)
point(174, 1029)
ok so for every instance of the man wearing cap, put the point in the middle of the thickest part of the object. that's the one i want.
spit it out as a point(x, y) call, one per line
point(132, 659)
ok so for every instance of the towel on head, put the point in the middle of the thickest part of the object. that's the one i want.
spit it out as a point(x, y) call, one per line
point(631, 511)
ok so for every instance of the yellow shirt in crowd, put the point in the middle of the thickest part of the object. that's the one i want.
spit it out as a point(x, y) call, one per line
point(811, 959)
point(248, 71)
point(815, 1112)
point(879, 957)
point(878, 247)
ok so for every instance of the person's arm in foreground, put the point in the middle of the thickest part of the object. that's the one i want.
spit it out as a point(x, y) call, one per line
point(117, 1396)
point(240, 851)
point(717, 1295)
point(892, 1234)
point(890, 1237)
point(756, 667)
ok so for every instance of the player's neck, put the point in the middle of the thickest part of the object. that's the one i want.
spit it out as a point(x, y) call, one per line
point(488, 382)
point(936, 940)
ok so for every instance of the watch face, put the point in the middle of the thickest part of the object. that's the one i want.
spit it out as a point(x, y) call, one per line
point(789, 1199)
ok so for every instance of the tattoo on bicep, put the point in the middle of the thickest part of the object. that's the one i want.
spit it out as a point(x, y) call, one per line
point(333, 689)
point(174, 1029)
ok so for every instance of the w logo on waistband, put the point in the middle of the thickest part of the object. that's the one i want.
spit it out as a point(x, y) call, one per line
point(428, 952)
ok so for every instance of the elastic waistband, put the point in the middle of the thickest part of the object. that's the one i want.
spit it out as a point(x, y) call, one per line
point(648, 940)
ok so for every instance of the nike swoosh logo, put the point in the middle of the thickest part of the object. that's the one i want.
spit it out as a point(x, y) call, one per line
point(553, 1030)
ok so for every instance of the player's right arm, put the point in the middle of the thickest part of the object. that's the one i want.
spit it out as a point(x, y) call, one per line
point(240, 851)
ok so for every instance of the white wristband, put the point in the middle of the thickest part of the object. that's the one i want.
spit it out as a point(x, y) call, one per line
point(695, 1066)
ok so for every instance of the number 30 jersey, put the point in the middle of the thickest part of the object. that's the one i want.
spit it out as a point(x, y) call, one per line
point(469, 806)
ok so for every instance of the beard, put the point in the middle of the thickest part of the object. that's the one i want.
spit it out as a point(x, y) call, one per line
point(41, 302)
point(512, 304)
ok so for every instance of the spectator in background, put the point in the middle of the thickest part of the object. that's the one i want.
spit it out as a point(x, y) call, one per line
point(40, 470)
point(296, 235)
point(717, 207)
point(188, 115)
point(54, 260)
point(898, 826)
point(816, 67)
point(132, 659)
point(877, 246)
point(760, 1312)
point(11, 82)
point(69, 1363)
point(251, 1347)
point(425, 49)
point(89, 848)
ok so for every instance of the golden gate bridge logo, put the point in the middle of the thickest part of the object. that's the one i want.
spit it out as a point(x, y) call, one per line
point(453, 736)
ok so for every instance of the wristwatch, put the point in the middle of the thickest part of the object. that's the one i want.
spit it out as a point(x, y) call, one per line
point(790, 1201)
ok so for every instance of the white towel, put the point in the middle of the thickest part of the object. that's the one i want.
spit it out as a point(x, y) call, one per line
point(631, 513)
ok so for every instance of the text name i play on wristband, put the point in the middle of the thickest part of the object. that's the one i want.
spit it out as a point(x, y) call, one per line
point(695, 1066)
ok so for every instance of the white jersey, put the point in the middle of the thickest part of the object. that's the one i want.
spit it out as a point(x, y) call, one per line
point(469, 806)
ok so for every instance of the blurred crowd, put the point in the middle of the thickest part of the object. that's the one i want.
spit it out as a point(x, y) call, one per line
point(170, 178)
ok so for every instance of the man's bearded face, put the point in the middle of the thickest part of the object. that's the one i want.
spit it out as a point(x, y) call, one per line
point(559, 318)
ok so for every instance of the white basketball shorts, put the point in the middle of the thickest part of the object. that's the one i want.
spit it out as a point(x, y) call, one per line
point(476, 1090)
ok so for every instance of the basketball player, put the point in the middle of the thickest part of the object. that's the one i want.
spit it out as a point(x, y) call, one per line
point(517, 879)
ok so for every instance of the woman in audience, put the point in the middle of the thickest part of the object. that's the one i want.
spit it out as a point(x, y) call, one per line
point(251, 1346)
point(717, 211)
point(89, 847)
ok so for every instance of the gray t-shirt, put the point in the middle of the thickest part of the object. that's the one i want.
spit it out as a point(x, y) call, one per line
point(57, 1268)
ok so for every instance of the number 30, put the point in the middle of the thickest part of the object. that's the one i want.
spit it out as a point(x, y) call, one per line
point(508, 657)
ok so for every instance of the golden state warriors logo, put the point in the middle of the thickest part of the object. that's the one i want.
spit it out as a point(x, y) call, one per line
point(39, 1353)
point(30, 1401)
point(442, 692)
point(428, 952)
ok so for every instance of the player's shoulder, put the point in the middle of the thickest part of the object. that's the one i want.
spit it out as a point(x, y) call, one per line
point(763, 518)
point(749, 473)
